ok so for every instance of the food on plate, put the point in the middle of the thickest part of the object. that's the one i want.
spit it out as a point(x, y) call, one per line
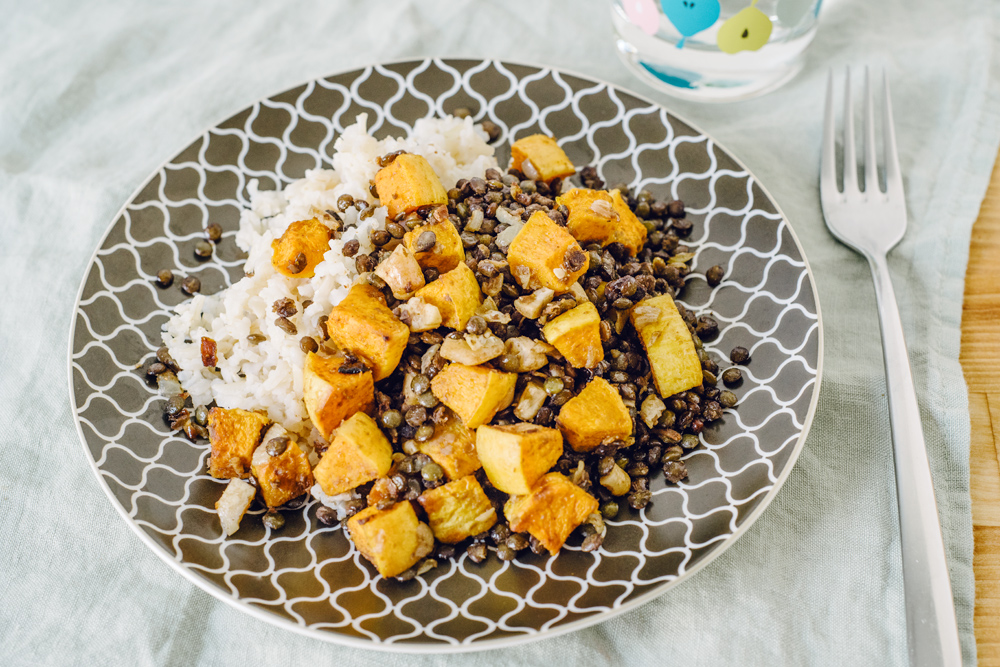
point(408, 182)
point(455, 294)
point(540, 158)
point(300, 248)
point(550, 510)
point(280, 467)
point(604, 217)
point(514, 456)
point(392, 539)
point(331, 394)
point(442, 356)
point(458, 510)
point(669, 347)
point(436, 246)
point(543, 254)
point(233, 504)
point(452, 447)
point(359, 453)
point(362, 325)
point(577, 335)
point(234, 435)
point(595, 416)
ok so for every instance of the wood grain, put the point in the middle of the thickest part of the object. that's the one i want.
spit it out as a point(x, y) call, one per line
point(981, 363)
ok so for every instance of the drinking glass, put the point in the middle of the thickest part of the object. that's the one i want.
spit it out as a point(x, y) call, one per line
point(714, 50)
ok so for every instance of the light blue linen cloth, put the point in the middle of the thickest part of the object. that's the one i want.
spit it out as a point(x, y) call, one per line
point(95, 95)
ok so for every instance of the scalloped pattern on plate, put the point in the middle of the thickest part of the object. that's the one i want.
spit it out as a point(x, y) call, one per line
point(309, 576)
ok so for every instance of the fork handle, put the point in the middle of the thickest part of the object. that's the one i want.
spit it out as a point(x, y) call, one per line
point(931, 628)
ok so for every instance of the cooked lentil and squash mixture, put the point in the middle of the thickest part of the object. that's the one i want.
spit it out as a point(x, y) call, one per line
point(511, 366)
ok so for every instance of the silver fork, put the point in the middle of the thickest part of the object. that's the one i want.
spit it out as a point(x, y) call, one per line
point(872, 222)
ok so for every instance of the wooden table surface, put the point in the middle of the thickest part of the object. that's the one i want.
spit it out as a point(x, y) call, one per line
point(980, 358)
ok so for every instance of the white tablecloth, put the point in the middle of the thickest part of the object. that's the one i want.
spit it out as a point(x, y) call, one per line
point(93, 96)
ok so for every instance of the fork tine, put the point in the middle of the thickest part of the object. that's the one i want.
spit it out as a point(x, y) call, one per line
point(828, 161)
point(850, 158)
point(871, 161)
point(893, 180)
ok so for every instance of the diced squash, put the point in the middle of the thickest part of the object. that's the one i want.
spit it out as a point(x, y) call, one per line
point(234, 434)
point(577, 335)
point(595, 415)
point(630, 232)
point(458, 510)
point(393, 540)
point(359, 453)
point(363, 325)
point(456, 295)
point(401, 273)
point(448, 251)
point(592, 217)
point(453, 447)
point(284, 477)
point(331, 396)
point(408, 183)
point(545, 155)
point(543, 254)
point(551, 511)
point(233, 504)
point(515, 456)
point(602, 217)
point(475, 393)
point(311, 238)
point(672, 355)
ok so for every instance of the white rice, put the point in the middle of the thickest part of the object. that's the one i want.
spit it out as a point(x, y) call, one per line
point(268, 375)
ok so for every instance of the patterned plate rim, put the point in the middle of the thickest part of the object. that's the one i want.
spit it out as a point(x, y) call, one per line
point(335, 638)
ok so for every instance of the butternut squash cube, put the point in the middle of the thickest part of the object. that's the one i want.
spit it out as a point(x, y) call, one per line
point(234, 435)
point(543, 254)
point(331, 396)
point(602, 217)
point(364, 326)
point(551, 511)
point(284, 477)
point(447, 252)
point(515, 456)
point(458, 510)
point(595, 415)
point(359, 453)
point(475, 393)
point(408, 183)
point(393, 540)
point(630, 231)
point(592, 217)
point(672, 355)
point(401, 272)
point(453, 447)
point(545, 155)
point(311, 238)
point(456, 295)
point(577, 335)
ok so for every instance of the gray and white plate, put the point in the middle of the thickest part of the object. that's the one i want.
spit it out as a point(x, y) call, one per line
point(308, 577)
